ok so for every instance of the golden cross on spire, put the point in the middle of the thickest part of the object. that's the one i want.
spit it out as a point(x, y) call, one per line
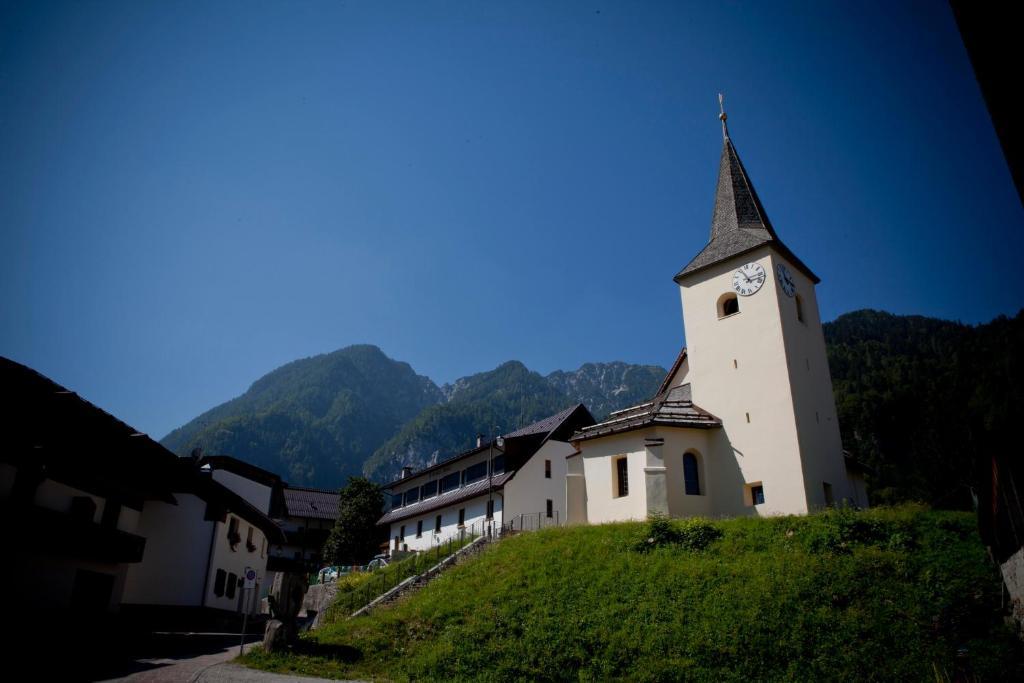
point(722, 116)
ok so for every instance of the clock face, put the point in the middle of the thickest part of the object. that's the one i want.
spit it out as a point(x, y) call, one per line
point(748, 279)
point(785, 280)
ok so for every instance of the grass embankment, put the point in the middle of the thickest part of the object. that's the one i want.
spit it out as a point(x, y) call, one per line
point(887, 594)
point(359, 588)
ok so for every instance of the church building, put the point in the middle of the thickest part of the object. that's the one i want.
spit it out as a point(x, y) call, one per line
point(745, 422)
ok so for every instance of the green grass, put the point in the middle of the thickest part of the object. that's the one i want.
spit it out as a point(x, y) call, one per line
point(887, 594)
point(359, 588)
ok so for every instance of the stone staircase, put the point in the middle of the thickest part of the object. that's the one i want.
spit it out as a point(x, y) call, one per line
point(414, 583)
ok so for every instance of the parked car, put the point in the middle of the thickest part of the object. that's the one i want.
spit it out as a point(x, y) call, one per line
point(378, 562)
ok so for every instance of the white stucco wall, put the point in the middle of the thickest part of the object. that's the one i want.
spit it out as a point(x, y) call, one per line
point(814, 405)
point(598, 464)
point(235, 561)
point(255, 493)
point(529, 490)
point(598, 469)
point(738, 368)
point(475, 522)
point(174, 562)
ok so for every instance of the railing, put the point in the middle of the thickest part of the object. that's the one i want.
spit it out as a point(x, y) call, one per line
point(531, 521)
point(380, 581)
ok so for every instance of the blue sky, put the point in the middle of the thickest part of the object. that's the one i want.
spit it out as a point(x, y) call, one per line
point(192, 194)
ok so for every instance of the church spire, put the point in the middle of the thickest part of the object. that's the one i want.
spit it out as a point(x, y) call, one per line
point(739, 223)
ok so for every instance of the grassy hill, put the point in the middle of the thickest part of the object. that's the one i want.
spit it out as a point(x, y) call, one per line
point(888, 594)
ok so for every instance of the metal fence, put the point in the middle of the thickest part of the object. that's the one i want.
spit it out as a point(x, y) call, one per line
point(380, 581)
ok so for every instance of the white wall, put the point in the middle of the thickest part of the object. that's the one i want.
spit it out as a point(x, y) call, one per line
point(599, 455)
point(234, 562)
point(257, 494)
point(174, 562)
point(475, 520)
point(598, 469)
point(739, 367)
point(529, 490)
point(814, 405)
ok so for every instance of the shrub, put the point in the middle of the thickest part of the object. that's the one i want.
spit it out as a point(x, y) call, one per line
point(687, 534)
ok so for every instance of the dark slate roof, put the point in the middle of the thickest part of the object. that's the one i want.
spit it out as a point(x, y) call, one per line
point(311, 503)
point(50, 427)
point(473, 490)
point(739, 223)
point(545, 426)
point(671, 372)
point(673, 408)
point(73, 441)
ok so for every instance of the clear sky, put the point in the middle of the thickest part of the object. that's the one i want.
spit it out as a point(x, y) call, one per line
point(193, 193)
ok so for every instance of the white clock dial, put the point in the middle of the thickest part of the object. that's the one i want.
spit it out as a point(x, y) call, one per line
point(748, 279)
point(785, 280)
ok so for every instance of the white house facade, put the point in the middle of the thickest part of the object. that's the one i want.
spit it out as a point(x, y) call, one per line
point(516, 481)
point(745, 422)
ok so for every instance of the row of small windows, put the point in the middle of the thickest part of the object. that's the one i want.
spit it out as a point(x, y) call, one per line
point(449, 482)
point(729, 304)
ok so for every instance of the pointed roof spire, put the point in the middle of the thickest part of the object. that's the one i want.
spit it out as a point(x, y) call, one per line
point(739, 223)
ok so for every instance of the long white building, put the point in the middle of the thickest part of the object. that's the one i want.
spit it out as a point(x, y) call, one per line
point(517, 481)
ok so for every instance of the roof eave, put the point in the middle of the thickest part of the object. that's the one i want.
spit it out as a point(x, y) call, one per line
point(782, 248)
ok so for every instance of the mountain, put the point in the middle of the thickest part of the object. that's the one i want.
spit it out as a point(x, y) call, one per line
point(921, 400)
point(318, 420)
point(502, 399)
point(605, 387)
point(315, 420)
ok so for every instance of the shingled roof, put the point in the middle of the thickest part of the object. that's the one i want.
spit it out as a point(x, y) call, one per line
point(547, 425)
point(674, 408)
point(311, 503)
point(739, 223)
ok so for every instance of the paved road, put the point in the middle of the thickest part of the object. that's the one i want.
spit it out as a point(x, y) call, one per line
point(232, 673)
point(178, 657)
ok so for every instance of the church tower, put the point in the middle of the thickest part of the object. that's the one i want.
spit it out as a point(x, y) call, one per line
point(756, 357)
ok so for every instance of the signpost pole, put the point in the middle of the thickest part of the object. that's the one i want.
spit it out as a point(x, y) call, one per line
point(248, 583)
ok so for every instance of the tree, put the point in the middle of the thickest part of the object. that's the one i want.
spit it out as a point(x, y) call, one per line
point(355, 537)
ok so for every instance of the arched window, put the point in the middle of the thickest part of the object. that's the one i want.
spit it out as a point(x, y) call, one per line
point(691, 474)
point(799, 308)
point(728, 304)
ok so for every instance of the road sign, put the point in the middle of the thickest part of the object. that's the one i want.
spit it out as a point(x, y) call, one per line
point(250, 578)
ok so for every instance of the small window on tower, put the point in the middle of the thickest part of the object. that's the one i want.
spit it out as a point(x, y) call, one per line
point(728, 304)
point(799, 308)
